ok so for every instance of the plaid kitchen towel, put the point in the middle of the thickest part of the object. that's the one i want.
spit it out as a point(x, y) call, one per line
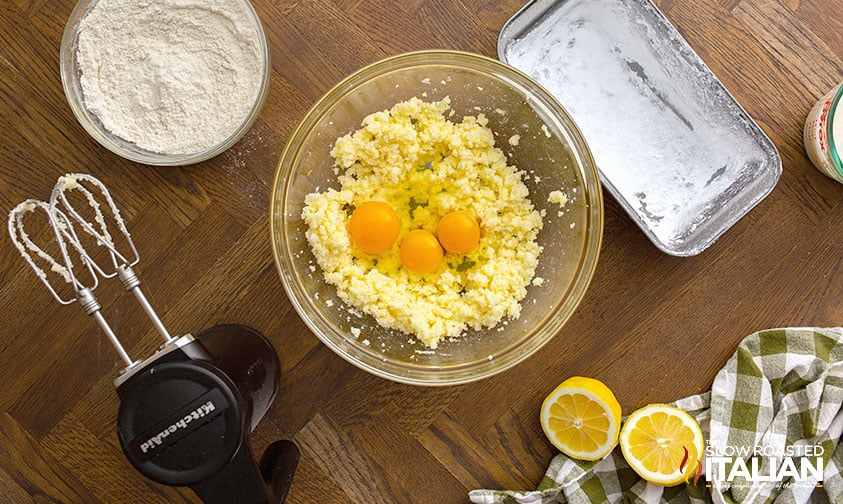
point(772, 423)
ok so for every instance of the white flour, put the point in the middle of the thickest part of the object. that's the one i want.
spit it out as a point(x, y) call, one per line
point(171, 76)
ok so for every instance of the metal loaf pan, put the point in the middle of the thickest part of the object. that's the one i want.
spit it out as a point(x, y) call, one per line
point(672, 145)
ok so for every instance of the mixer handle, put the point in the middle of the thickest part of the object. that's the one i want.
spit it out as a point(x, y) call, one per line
point(277, 465)
point(243, 482)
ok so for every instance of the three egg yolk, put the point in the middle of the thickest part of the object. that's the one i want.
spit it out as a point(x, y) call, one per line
point(374, 227)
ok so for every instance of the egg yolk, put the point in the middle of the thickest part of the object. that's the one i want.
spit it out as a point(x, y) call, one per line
point(374, 227)
point(459, 232)
point(420, 251)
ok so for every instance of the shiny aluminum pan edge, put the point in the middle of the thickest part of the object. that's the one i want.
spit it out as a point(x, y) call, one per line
point(672, 145)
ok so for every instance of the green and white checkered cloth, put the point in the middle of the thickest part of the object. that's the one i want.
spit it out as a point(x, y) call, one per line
point(778, 400)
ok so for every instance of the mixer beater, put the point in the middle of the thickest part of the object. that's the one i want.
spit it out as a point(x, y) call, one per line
point(64, 218)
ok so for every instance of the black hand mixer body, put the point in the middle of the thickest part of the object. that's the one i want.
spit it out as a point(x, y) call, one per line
point(186, 412)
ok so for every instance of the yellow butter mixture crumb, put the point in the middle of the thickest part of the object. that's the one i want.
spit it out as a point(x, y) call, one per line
point(424, 166)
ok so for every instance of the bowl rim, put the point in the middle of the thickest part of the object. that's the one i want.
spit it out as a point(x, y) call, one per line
point(587, 263)
point(69, 78)
point(835, 151)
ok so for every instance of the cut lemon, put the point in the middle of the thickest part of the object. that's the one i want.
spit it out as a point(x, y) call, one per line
point(582, 418)
point(663, 444)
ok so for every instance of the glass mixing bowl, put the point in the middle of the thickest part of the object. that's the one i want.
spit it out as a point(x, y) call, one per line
point(70, 78)
point(551, 151)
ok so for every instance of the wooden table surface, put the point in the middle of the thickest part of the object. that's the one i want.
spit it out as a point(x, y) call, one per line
point(653, 327)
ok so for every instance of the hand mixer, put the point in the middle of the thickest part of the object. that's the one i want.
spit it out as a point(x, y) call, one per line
point(186, 411)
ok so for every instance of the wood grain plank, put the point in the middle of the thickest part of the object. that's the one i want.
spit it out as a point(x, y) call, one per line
point(348, 5)
point(792, 4)
point(827, 28)
point(11, 492)
point(466, 457)
point(518, 442)
point(39, 348)
point(390, 448)
point(757, 310)
point(95, 464)
point(254, 163)
point(312, 484)
point(450, 32)
point(790, 43)
point(211, 277)
point(300, 407)
point(493, 14)
point(690, 322)
point(283, 110)
point(30, 7)
point(177, 270)
point(97, 411)
point(289, 334)
point(336, 33)
point(61, 387)
point(234, 187)
point(9, 197)
point(13, 276)
point(296, 59)
point(32, 467)
point(33, 51)
point(415, 408)
point(373, 402)
point(260, 302)
point(390, 25)
point(342, 463)
point(180, 191)
point(27, 36)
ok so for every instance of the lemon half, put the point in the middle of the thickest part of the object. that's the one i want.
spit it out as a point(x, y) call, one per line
point(582, 418)
point(661, 443)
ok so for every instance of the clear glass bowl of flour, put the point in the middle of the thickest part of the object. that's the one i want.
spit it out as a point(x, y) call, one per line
point(165, 82)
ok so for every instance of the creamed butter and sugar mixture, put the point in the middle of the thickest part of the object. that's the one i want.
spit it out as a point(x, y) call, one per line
point(424, 165)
